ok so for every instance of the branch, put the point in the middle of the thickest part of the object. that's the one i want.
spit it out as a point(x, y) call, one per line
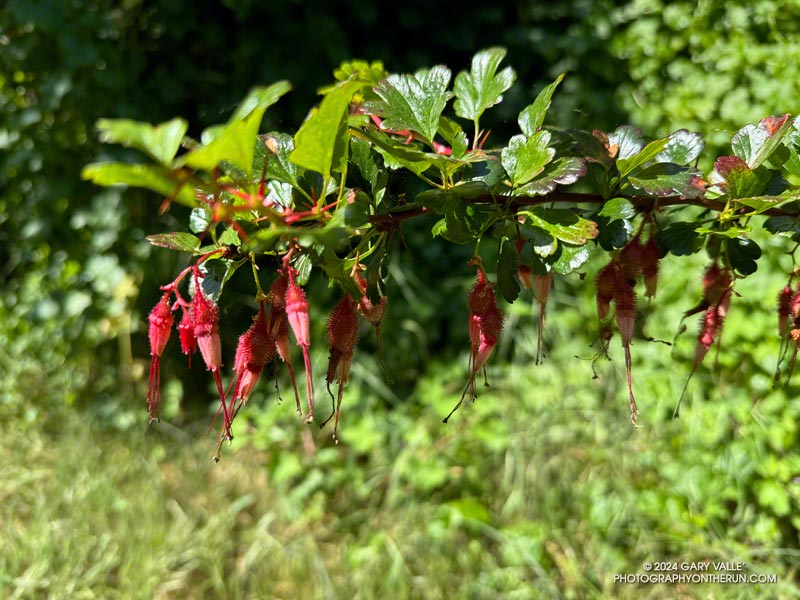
point(643, 203)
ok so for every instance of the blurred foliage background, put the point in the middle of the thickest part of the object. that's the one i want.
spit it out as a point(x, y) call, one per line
point(539, 489)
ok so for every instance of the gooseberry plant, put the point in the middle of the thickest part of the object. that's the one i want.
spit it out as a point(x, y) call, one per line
point(318, 203)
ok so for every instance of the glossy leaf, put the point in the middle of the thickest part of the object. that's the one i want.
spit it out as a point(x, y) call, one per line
point(321, 141)
point(667, 179)
point(760, 204)
point(570, 258)
point(524, 158)
point(276, 147)
point(160, 142)
point(483, 86)
point(628, 141)
point(414, 102)
point(563, 224)
point(683, 148)
point(617, 208)
point(648, 153)
point(562, 171)
point(404, 155)
point(532, 117)
point(755, 143)
point(540, 240)
point(199, 219)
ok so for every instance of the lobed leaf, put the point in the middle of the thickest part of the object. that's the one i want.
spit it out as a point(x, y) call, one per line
point(740, 180)
point(525, 157)
point(743, 254)
point(755, 143)
point(570, 258)
point(679, 238)
point(414, 102)
point(234, 143)
point(260, 99)
point(667, 179)
point(483, 86)
point(531, 118)
point(168, 183)
point(628, 141)
point(683, 147)
point(563, 224)
point(159, 142)
point(562, 171)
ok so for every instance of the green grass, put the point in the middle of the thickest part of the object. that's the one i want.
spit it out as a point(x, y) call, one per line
point(540, 489)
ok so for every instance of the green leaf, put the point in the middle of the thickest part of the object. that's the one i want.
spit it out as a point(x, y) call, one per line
point(590, 147)
point(440, 201)
point(303, 266)
point(356, 213)
point(649, 152)
point(524, 158)
point(483, 86)
point(740, 180)
point(532, 117)
point(755, 143)
point(507, 263)
point(617, 208)
point(160, 142)
point(679, 238)
point(792, 163)
point(180, 241)
point(216, 273)
point(234, 143)
point(743, 254)
point(280, 193)
point(449, 129)
point(528, 257)
point(783, 225)
point(276, 148)
point(683, 147)
point(667, 179)
point(563, 224)
point(541, 242)
point(362, 158)
point(459, 145)
point(760, 204)
point(199, 219)
point(229, 237)
point(414, 102)
point(415, 161)
point(260, 99)
point(613, 233)
point(730, 232)
point(320, 144)
point(562, 171)
point(628, 140)
point(152, 177)
point(570, 258)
